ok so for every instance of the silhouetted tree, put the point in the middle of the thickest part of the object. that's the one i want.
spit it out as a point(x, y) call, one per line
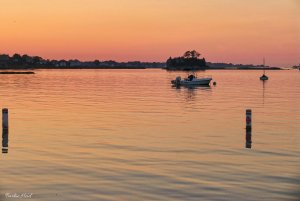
point(187, 54)
point(17, 59)
point(191, 54)
point(37, 59)
point(194, 54)
point(97, 62)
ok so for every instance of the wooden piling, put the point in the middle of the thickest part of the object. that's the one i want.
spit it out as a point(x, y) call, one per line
point(248, 139)
point(4, 141)
point(5, 118)
point(248, 119)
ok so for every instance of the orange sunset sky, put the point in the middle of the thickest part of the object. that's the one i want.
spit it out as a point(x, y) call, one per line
point(234, 31)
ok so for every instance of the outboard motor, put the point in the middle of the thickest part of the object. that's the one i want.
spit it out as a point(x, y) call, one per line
point(176, 81)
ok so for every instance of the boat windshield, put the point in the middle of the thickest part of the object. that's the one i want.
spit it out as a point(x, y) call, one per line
point(191, 77)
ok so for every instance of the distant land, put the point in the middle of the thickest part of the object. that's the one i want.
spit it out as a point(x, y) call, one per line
point(296, 67)
point(18, 61)
point(191, 60)
point(21, 62)
point(230, 66)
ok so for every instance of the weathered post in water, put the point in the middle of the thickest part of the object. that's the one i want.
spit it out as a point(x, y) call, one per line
point(4, 130)
point(248, 139)
point(4, 141)
point(5, 118)
point(248, 119)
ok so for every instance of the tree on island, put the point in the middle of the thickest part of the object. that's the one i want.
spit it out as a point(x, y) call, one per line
point(191, 54)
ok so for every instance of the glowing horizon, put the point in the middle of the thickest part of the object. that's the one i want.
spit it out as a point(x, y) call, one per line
point(152, 30)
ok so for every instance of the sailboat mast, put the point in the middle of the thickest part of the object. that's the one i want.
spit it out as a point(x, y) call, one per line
point(264, 77)
point(264, 64)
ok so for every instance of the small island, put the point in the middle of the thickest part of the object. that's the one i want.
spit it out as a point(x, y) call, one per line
point(189, 61)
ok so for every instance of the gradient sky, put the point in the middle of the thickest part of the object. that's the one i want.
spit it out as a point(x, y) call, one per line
point(152, 30)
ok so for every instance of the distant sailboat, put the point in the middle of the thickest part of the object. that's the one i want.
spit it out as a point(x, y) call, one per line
point(264, 77)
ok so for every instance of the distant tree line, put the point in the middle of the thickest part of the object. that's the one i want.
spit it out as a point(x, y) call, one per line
point(18, 61)
point(189, 61)
point(295, 66)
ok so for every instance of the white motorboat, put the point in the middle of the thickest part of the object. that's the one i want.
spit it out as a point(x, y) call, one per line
point(192, 80)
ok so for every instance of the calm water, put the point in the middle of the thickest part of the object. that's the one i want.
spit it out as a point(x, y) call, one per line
point(128, 135)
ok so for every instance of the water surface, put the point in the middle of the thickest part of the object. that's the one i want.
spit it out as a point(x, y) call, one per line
point(128, 135)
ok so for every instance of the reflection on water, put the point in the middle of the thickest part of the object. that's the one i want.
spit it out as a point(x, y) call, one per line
point(192, 91)
point(128, 135)
point(192, 86)
point(4, 140)
point(248, 138)
point(264, 86)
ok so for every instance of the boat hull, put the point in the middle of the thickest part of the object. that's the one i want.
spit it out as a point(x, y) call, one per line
point(203, 81)
point(263, 78)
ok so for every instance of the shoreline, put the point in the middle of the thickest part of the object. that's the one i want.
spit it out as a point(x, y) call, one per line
point(74, 67)
point(129, 68)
